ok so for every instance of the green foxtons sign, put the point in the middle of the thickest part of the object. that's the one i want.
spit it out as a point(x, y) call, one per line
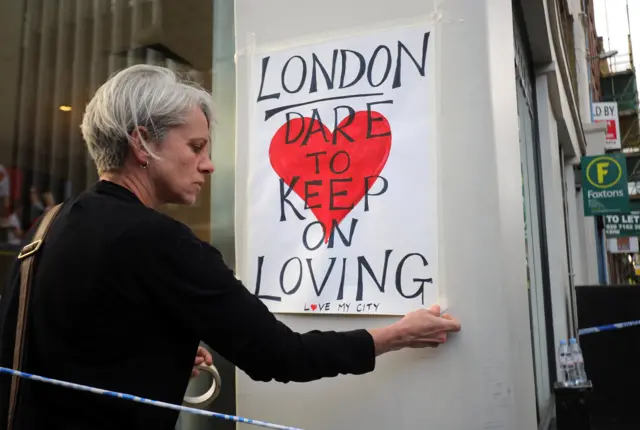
point(604, 185)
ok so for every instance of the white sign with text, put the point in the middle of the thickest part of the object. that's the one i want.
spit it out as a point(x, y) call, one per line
point(341, 191)
point(608, 112)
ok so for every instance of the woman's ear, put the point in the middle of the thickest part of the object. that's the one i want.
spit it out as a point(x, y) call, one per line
point(138, 139)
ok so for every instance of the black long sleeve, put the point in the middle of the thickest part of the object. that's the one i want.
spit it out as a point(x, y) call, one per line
point(190, 280)
point(121, 298)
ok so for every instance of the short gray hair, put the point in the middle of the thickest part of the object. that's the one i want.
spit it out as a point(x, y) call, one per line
point(139, 96)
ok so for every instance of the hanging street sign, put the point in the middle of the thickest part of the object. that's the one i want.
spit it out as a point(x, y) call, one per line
point(622, 225)
point(604, 184)
point(608, 112)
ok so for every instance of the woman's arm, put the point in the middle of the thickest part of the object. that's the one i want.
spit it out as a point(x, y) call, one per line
point(194, 285)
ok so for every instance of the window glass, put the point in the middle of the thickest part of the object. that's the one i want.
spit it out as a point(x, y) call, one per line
point(531, 217)
point(54, 55)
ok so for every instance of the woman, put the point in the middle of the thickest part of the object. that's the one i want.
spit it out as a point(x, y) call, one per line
point(123, 294)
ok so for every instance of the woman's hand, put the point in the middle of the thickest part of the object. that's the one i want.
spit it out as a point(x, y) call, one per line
point(202, 357)
point(418, 329)
point(425, 327)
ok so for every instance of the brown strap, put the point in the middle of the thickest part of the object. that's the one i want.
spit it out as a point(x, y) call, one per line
point(26, 257)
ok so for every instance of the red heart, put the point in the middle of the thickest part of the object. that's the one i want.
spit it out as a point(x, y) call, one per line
point(357, 149)
point(314, 307)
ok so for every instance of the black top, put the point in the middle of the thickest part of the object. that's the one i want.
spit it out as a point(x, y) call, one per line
point(121, 298)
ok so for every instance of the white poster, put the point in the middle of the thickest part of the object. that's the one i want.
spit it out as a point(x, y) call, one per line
point(341, 193)
point(608, 112)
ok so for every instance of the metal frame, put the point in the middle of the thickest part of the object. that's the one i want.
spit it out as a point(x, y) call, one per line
point(538, 225)
point(223, 184)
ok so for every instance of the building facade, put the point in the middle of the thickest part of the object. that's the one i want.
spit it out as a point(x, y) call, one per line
point(515, 84)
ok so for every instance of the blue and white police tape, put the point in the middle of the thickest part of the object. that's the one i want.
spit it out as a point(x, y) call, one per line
point(143, 400)
point(608, 327)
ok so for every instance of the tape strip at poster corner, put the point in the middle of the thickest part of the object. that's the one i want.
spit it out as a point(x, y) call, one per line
point(342, 170)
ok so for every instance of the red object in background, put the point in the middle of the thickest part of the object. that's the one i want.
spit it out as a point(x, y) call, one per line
point(16, 178)
point(612, 133)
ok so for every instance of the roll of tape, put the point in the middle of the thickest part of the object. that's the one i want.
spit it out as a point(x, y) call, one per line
point(212, 393)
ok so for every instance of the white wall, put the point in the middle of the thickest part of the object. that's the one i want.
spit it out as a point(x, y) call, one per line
point(559, 83)
point(585, 225)
point(595, 135)
point(583, 68)
point(578, 259)
point(483, 378)
point(587, 251)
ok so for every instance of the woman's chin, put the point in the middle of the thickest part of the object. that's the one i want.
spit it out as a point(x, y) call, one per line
point(186, 199)
point(189, 200)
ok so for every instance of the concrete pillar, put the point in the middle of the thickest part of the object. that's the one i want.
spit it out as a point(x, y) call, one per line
point(595, 134)
point(578, 262)
point(583, 63)
point(572, 230)
point(483, 378)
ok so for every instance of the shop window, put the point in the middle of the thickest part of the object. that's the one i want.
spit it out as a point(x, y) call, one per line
point(531, 198)
point(58, 52)
point(53, 57)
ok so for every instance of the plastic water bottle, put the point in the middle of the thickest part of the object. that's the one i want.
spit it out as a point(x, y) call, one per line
point(578, 359)
point(567, 365)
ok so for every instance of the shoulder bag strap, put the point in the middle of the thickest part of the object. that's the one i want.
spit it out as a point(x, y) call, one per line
point(26, 258)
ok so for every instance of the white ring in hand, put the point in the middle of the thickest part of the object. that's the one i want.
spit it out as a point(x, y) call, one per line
point(211, 394)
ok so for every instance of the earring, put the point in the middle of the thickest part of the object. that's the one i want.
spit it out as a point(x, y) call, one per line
point(144, 165)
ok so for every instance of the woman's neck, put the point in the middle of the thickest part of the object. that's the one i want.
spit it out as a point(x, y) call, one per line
point(135, 185)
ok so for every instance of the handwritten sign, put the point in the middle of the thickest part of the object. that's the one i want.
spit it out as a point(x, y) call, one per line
point(341, 193)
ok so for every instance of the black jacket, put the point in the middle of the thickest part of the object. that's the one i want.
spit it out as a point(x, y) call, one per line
point(122, 295)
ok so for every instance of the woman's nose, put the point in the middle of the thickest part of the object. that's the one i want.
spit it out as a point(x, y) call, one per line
point(207, 167)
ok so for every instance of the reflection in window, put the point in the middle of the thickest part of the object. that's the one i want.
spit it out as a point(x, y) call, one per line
point(64, 51)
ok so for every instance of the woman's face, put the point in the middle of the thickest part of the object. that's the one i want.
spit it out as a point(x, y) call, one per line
point(179, 173)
